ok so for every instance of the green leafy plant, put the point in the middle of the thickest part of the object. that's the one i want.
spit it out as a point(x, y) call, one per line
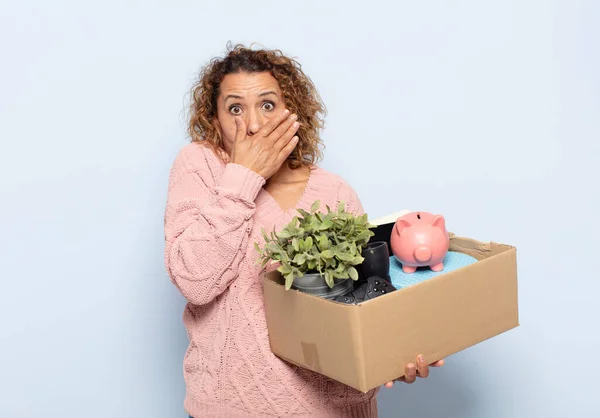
point(328, 243)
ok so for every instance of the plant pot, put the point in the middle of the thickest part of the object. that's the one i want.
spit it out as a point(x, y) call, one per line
point(376, 261)
point(315, 284)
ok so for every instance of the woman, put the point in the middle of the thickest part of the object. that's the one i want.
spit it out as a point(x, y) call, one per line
point(255, 119)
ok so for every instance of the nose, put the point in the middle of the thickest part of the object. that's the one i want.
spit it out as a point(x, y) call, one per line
point(255, 122)
point(422, 254)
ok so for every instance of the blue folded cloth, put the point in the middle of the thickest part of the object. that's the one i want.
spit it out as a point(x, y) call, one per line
point(454, 260)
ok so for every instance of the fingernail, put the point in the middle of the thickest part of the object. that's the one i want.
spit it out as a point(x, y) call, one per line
point(411, 367)
point(420, 358)
point(285, 112)
point(294, 117)
point(296, 124)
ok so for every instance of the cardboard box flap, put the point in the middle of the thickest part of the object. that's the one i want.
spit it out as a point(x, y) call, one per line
point(477, 249)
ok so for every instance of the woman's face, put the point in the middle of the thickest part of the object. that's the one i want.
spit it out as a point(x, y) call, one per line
point(255, 97)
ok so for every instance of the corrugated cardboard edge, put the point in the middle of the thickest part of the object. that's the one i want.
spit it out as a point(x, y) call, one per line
point(311, 356)
point(358, 340)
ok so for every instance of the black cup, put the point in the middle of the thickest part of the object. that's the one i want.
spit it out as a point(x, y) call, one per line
point(376, 261)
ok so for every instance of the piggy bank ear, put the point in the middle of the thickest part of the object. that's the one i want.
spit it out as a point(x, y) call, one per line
point(400, 225)
point(439, 222)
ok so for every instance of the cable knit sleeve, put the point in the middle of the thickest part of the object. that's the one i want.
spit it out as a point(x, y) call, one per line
point(207, 223)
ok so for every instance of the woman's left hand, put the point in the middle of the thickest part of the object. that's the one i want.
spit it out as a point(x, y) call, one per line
point(411, 371)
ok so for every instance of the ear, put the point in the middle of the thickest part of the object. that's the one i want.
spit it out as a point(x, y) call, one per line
point(400, 225)
point(439, 222)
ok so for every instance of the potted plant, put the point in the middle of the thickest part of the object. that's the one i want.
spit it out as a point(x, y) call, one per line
point(318, 251)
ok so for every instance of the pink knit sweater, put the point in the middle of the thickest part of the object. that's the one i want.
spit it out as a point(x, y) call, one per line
point(214, 214)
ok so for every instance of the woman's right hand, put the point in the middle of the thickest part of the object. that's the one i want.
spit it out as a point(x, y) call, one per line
point(265, 151)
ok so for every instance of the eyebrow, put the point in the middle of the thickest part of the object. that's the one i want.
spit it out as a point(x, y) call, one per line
point(235, 96)
point(266, 93)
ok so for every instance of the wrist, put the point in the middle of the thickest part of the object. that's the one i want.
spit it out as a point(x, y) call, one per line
point(241, 181)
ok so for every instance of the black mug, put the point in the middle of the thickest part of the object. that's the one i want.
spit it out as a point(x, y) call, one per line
point(376, 261)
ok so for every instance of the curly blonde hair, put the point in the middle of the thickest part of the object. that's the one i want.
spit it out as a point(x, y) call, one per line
point(299, 92)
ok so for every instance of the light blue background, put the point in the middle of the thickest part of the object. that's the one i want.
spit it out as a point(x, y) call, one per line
point(487, 112)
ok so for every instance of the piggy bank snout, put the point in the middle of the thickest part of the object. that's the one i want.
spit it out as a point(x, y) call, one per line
point(422, 254)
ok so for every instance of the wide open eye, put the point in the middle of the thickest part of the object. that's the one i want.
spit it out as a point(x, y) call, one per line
point(269, 106)
point(235, 109)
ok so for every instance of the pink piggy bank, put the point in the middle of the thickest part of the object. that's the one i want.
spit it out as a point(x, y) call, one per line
point(420, 239)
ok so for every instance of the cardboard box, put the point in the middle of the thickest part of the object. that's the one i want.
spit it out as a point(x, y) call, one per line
point(367, 345)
